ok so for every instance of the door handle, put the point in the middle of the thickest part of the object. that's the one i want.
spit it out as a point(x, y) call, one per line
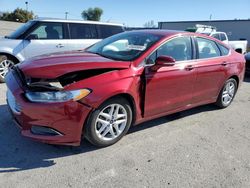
point(60, 46)
point(224, 63)
point(189, 67)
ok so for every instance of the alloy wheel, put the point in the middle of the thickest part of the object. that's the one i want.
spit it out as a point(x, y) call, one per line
point(228, 93)
point(111, 122)
point(4, 67)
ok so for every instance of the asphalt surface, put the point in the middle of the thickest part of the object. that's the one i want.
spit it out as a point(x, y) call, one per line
point(202, 147)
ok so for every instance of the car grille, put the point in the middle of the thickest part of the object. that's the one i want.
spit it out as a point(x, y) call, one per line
point(13, 104)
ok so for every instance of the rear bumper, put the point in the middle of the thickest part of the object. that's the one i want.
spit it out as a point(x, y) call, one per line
point(66, 119)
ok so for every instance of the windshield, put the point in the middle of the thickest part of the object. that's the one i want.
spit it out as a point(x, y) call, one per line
point(20, 30)
point(126, 46)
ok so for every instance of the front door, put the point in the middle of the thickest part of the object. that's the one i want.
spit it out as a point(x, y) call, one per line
point(47, 37)
point(170, 87)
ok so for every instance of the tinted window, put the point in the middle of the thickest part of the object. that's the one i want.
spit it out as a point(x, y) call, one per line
point(207, 48)
point(82, 31)
point(48, 31)
point(179, 48)
point(224, 50)
point(108, 30)
point(217, 36)
point(223, 37)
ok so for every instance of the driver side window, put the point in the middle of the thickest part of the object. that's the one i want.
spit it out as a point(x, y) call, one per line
point(48, 31)
point(179, 48)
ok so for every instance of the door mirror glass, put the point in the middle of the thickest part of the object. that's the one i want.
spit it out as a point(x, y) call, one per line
point(165, 60)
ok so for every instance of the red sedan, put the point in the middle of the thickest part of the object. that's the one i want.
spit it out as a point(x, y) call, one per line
point(121, 81)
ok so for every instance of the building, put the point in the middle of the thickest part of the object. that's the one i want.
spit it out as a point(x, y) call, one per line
point(235, 29)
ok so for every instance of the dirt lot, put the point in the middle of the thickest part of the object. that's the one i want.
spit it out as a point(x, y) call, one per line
point(203, 147)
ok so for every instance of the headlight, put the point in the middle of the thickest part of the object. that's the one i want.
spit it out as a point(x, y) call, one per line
point(57, 96)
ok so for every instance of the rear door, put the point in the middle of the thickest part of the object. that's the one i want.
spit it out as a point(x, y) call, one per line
point(211, 70)
point(47, 37)
point(170, 88)
point(82, 35)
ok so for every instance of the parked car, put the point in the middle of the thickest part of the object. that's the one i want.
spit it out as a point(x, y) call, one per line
point(44, 36)
point(238, 45)
point(124, 80)
point(247, 57)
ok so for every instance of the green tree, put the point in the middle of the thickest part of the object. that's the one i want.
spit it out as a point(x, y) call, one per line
point(93, 14)
point(18, 15)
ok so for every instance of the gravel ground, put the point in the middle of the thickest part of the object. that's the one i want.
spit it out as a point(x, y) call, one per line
point(202, 147)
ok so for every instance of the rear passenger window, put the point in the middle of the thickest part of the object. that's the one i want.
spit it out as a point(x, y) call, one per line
point(82, 31)
point(217, 36)
point(108, 30)
point(207, 48)
point(224, 50)
point(223, 37)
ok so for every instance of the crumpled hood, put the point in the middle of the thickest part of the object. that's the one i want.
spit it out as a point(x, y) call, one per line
point(55, 65)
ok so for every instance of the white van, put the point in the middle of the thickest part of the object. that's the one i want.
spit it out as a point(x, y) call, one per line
point(43, 36)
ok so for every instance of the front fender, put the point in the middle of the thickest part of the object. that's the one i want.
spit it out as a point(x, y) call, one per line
point(9, 51)
point(108, 85)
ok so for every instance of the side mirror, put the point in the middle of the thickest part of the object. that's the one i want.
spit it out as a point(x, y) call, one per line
point(165, 60)
point(31, 37)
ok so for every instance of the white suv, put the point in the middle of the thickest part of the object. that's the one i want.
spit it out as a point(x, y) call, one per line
point(45, 36)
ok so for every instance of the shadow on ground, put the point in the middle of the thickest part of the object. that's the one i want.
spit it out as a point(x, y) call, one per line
point(172, 117)
point(18, 153)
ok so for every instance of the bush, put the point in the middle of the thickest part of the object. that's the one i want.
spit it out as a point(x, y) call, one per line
point(18, 15)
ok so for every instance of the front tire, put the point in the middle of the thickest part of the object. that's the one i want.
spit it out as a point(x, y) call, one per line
point(109, 123)
point(6, 62)
point(227, 93)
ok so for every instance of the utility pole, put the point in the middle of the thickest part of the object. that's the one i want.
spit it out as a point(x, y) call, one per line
point(66, 15)
point(26, 3)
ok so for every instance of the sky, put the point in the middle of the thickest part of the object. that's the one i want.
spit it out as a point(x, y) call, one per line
point(135, 13)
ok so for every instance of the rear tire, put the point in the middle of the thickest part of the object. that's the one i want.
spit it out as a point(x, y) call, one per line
point(227, 93)
point(6, 62)
point(109, 122)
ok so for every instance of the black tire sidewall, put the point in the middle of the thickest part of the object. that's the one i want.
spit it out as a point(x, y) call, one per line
point(90, 133)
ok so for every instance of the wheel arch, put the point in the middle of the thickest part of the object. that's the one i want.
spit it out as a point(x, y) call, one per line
point(126, 96)
point(16, 59)
point(236, 78)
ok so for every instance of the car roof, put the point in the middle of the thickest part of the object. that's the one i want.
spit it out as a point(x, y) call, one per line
point(161, 32)
point(76, 21)
point(168, 33)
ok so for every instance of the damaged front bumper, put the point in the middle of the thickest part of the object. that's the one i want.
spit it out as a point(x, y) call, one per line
point(54, 123)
